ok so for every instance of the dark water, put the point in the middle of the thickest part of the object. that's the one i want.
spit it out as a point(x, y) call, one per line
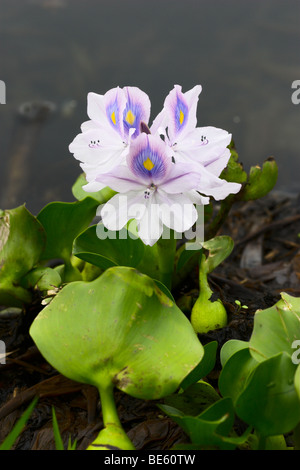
point(245, 54)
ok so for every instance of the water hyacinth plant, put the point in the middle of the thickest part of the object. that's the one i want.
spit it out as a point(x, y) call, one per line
point(110, 315)
point(161, 172)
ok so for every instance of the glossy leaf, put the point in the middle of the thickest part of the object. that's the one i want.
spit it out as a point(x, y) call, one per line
point(270, 402)
point(118, 328)
point(297, 380)
point(280, 325)
point(235, 374)
point(209, 429)
point(183, 256)
point(116, 249)
point(44, 278)
point(100, 196)
point(194, 399)
point(63, 221)
point(234, 171)
point(219, 249)
point(22, 241)
point(231, 347)
point(204, 367)
point(261, 180)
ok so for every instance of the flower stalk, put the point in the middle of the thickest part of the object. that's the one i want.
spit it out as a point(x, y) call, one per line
point(166, 257)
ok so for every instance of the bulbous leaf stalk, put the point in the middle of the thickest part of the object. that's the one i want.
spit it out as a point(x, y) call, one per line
point(206, 314)
point(113, 435)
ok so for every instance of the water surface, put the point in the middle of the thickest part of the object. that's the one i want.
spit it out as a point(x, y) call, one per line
point(245, 54)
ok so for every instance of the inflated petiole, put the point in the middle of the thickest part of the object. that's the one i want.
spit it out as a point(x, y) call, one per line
point(113, 435)
point(207, 314)
point(113, 332)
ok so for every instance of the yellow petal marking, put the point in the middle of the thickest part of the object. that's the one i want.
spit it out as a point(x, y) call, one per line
point(148, 164)
point(130, 117)
point(181, 117)
point(113, 118)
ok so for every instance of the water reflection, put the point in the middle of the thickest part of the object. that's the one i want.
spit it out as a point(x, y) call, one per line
point(243, 53)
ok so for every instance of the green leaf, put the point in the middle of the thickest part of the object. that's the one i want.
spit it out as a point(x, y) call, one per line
point(43, 278)
point(234, 376)
point(149, 263)
point(120, 329)
point(262, 376)
point(270, 402)
point(261, 180)
point(204, 367)
point(22, 241)
point(184, 256)
point(164, 289)
point(230, 442)
point(71, 445)
point(57, 436)
point(297, 380)
point(276, 443)
point(280, 324)
point(116, 249)
point(194, 399)
point(234, 171)
point(230, 347)
point(18, 428)
point(219, 249)
point(63, 221)
point(209, 429)
point(100, 196)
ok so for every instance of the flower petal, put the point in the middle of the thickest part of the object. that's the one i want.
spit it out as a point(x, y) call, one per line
point(217, 164)
point(121, 180)
point(197, 198)
point(137, 109)
point(211, 185)
point(181, 110)
point(150, 226)
point(107, 110)
point(181, 178)
point(93, 187)
point(176, 211)
point(149, 159)
point(204, 145)
point(122, 208)
point(97, 146)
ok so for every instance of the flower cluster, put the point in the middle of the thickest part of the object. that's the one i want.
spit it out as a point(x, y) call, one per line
point(160, 171)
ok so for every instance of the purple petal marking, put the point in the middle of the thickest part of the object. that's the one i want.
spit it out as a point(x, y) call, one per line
point(137, 110)
point(115, 102)
point(148, 158)
point(181, 113)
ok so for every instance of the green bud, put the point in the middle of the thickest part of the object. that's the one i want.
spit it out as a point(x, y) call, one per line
point(44, 278)
point(234, 171)
point(260, 180)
